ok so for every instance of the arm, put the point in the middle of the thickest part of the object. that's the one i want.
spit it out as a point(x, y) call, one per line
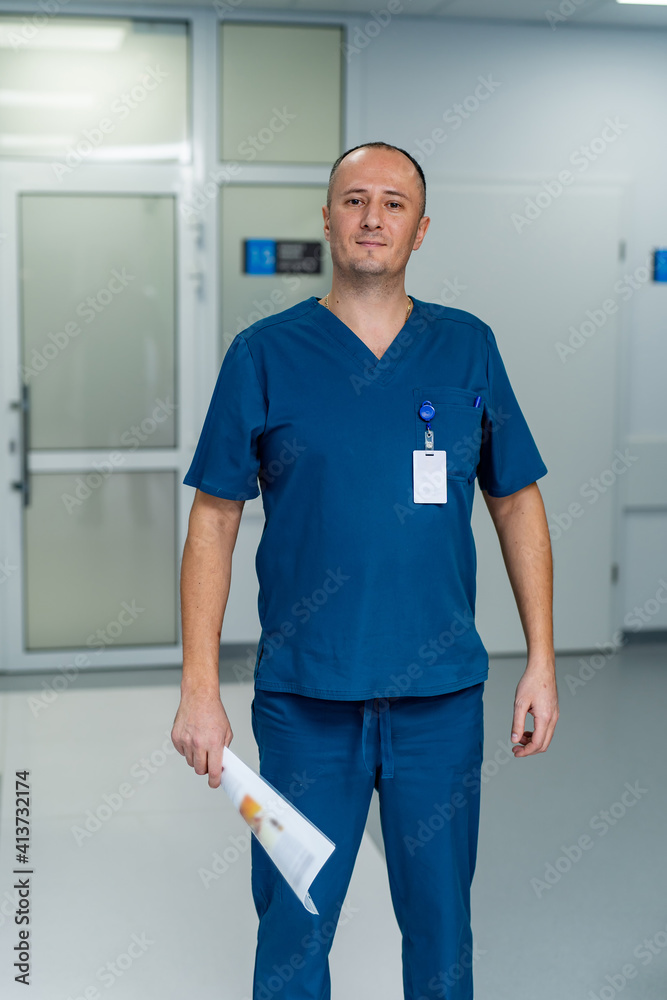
point(201, 728)
point(521, 523)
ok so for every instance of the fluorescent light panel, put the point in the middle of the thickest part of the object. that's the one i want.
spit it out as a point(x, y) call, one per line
point(38, 99)
point(10, 141)
point(82, 38)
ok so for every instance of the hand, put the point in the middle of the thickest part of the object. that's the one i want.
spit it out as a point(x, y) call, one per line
point(200, 732)
point(536, 693)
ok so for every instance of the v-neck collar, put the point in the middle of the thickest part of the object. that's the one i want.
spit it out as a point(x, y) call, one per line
point(380, 369)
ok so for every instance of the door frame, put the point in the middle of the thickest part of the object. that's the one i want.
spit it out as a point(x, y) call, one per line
point(169, 180)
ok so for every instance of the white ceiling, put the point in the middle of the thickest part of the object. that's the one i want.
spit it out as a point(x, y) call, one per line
point(588, 12)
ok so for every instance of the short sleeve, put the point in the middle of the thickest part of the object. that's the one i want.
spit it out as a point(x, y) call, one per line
point(509, 458)
point(226, 461)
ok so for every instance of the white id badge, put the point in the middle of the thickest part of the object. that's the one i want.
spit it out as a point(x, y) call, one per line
point(429, 476)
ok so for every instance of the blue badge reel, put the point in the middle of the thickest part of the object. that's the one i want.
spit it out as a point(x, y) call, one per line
point(429, 467)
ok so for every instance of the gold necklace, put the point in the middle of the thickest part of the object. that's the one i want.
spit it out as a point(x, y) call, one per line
point(326, 302)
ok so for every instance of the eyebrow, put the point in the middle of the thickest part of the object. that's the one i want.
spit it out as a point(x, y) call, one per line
point(386, 191)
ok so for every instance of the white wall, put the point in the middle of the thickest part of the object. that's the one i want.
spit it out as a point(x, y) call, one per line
point(552, 92)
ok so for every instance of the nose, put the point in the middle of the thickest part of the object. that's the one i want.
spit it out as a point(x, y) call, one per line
point(371, 218)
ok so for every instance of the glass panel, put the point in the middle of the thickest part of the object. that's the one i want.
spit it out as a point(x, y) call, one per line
point(98, 320)
point(80, 89)
point(100, 554)
point(280, 93)
point(284, 212)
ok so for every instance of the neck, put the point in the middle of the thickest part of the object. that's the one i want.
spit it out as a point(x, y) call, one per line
point(370, 307)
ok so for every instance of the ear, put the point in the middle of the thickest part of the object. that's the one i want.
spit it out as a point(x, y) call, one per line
point(424, 223)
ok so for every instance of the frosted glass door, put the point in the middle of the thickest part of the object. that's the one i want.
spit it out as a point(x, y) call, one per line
point(98, 318)
point(99, 561)
point(98, 339)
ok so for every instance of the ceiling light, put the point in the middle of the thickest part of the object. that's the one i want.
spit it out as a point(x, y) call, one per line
point(75, 37)
point(38, 99)
point(20, 141)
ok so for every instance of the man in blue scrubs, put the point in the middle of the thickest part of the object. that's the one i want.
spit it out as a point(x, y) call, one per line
point(369, 670)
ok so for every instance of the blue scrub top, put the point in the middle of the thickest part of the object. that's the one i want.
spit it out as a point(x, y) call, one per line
point(362, 592)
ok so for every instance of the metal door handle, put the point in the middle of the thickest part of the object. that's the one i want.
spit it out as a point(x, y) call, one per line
point(23, 404)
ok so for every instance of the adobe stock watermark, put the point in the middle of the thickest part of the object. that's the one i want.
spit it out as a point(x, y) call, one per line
point(207, 192)
point(112, 802)
point(133, 438)
point(591, 490)
point(644, 952)
point(221, 863)
point(88, 310)
point(603, 821)
point(400, 683)
point(402, 340)
point(107, 636)
point(29, 27)
point(9, 904)
point(112, 971)
point(450, 290)
point(444, 812)
point(51, 690)
point(7, 570)
point(429, 652)
point(566, 9)
point(581, 158)
point(275, 467)
point(364, 34)
point(68, 673)
point(254, 144)
point(416, 324)
point(225, 7)
point(624, 289)
point(263, 308)
point(91, 138)
point(303, 610)
point(248, 149)
point(444, 981)
point(311, 944)
point(634, 620)
point(455, 116)
point(245, 670)
point(287, 456)
point(98, 640)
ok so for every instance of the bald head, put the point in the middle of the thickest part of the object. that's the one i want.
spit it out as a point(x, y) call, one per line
point(389, 157)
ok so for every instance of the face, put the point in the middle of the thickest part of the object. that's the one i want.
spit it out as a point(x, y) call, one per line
point(373, 224)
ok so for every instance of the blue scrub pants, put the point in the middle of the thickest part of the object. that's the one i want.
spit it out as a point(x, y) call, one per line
point(423, 755)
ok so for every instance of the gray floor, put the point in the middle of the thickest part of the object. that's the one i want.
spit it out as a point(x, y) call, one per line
point(570, 892)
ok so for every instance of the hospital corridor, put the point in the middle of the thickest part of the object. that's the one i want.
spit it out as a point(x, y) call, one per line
point(334, 465)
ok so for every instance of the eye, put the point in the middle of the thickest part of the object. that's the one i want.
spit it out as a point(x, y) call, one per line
point(353, 199)
point(395, 203)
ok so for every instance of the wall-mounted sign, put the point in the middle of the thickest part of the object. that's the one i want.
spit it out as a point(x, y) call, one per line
point(660, 265)
point(259, 256)
point(297, 257)
point(282, 257)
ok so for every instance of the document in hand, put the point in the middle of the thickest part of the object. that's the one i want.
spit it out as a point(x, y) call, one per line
point(293, 843)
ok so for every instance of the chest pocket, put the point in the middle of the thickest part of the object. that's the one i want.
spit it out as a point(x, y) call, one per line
point(457, 427)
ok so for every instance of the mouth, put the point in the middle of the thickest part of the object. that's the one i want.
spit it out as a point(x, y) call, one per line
point(370, 243)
